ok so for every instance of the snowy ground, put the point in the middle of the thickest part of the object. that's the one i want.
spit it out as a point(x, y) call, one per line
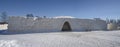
point(62, 39)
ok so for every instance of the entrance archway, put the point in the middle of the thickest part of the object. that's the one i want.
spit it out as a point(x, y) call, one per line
point(66, 27)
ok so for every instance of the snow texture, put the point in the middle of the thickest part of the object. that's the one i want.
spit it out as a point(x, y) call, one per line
point(62, 39)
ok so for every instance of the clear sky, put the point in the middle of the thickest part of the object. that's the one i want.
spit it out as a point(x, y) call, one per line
point(51, 8)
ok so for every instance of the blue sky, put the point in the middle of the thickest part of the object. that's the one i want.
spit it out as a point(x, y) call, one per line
point(51, 8)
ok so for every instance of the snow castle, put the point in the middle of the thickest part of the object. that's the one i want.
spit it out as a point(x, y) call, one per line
point(18, 24)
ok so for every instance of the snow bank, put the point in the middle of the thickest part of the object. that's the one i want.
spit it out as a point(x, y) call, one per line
point(3, 26)
point(62, 39)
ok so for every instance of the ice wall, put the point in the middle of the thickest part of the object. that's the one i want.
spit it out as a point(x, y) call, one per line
point(31, 24)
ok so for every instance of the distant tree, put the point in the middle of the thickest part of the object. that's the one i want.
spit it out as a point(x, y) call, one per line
point(29, 15)
point(118, 22)
point(107, 20)
point(36, 16)
point(3, 17)
point(44, 16)
point(112, 21)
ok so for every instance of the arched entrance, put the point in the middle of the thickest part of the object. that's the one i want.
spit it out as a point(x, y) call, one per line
point(66, 27)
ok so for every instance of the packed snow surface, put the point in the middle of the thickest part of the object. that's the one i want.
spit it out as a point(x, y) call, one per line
point(62, 39)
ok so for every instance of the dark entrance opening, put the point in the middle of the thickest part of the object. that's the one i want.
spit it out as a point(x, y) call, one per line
point(66, 27)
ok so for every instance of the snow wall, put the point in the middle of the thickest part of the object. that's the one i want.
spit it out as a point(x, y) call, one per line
point(19, 24)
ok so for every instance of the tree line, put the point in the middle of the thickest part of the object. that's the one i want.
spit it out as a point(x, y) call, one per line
point(3, 18)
